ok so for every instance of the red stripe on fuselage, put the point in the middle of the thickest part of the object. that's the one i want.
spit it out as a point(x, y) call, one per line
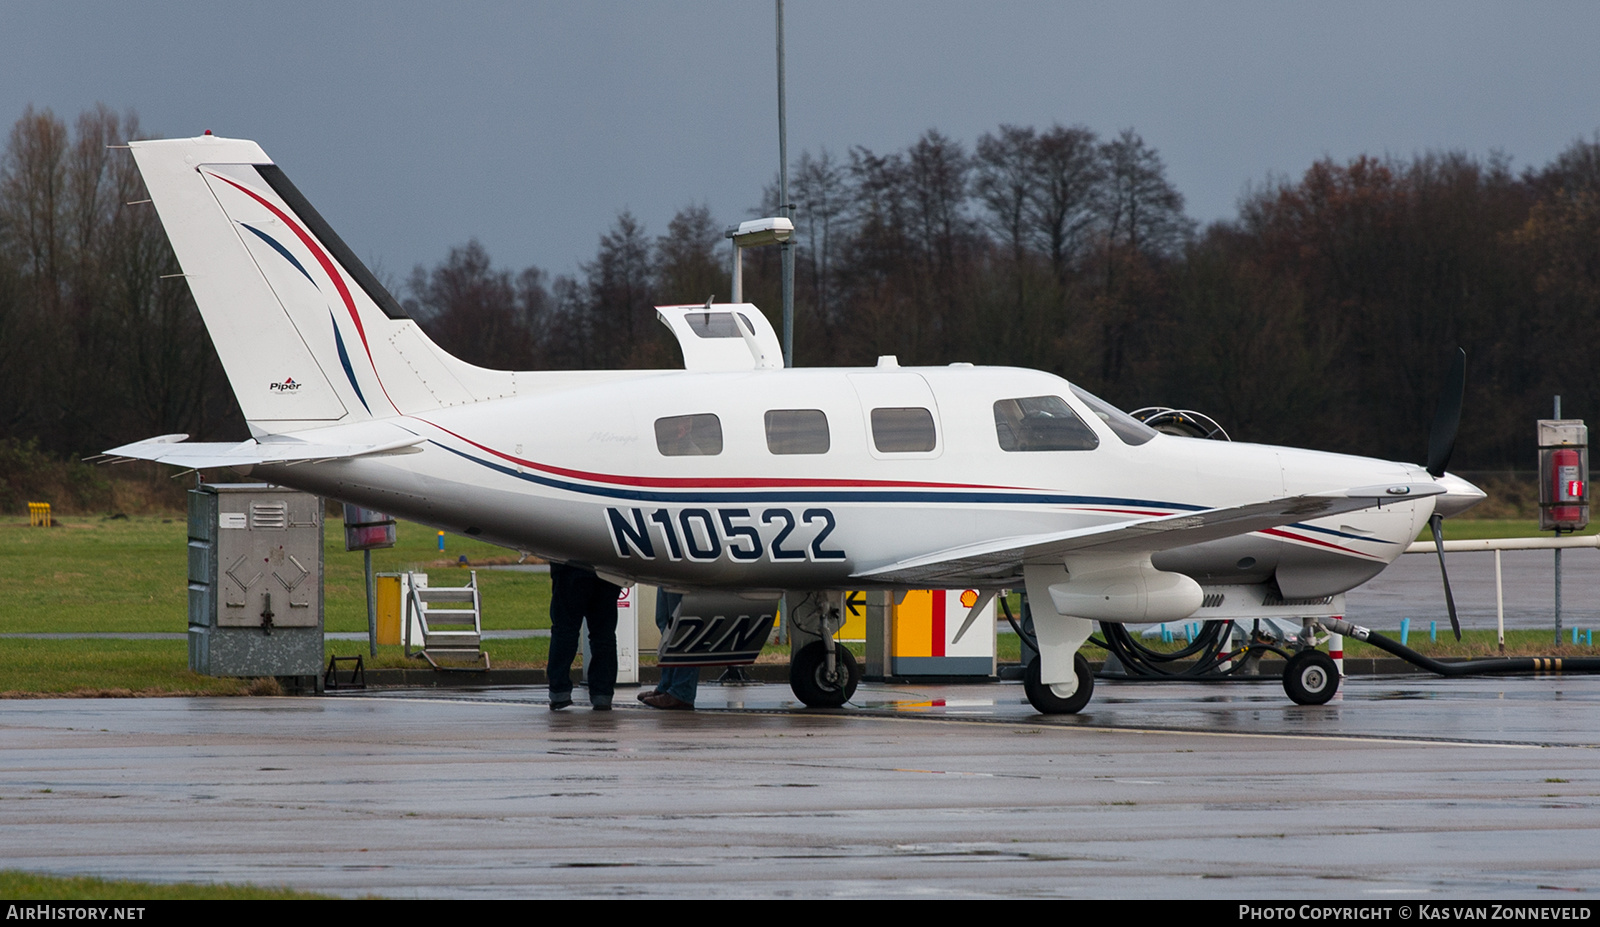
point(710, 482)
point(1295, 537)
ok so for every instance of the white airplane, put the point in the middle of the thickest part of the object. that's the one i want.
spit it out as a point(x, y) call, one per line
point(737, 481)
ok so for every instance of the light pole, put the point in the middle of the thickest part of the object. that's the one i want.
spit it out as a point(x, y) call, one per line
point(773, 230)
point(784, 206)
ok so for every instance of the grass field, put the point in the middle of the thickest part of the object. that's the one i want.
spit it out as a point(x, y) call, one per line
point(28, 886)
point(94, 574)
point(130, 575)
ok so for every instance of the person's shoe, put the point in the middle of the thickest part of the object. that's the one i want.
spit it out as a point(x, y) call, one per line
point(667, 701)
point(602, 704)
point(647, 695)
point(558, 702)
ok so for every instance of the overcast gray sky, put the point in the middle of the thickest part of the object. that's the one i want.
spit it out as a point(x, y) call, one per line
point(530, 125)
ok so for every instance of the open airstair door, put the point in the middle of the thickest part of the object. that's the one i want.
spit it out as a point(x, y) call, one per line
point(723, 336)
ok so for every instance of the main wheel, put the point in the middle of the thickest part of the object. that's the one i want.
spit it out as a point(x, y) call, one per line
point(1043, 698)
point(808, 676)
point(1311, 677)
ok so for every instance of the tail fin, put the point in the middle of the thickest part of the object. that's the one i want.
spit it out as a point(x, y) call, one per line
point(306, 334)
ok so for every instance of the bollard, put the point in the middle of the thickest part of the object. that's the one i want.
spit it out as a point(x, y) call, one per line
point(1405, 630)
point(1433, 631)
point(441, 540)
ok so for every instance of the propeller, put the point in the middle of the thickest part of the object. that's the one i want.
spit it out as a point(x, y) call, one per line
point(1441, 442)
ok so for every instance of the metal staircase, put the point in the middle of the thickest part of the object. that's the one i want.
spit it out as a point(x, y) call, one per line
point(451, 624)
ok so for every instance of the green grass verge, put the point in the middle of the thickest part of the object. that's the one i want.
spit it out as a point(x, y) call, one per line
point(28, 886)
point(130, 575)
point(1473, 529)
point(106, 668)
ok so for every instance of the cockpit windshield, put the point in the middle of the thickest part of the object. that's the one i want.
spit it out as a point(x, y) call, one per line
point(1124, 426)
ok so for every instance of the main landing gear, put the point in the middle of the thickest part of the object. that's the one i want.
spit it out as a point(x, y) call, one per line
point(818, 686)
point(1044, 698)
point(822, 673)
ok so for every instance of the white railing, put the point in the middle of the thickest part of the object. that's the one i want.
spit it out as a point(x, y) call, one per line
point(1497, 545)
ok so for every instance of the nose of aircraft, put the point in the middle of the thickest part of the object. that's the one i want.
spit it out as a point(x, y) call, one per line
point(1459, 496)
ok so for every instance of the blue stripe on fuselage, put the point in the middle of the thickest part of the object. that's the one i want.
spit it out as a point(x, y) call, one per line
point(832, 495)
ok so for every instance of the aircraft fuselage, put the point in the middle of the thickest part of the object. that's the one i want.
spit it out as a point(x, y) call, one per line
point(578, 473)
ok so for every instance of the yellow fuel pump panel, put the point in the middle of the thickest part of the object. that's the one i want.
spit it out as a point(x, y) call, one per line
point(924, 631)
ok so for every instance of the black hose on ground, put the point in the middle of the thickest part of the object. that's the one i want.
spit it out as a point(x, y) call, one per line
point(1139, 660)
point(1509, 666)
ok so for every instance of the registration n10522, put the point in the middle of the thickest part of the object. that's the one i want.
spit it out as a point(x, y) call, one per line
point(742, 535)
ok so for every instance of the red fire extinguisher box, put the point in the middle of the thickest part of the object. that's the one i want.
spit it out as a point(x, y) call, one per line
point(1563, 475)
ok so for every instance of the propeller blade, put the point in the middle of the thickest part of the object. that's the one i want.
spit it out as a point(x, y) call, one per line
point(1436, 522)
point(1447, 417)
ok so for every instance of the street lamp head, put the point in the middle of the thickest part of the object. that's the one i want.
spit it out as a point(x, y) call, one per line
point(773, 230)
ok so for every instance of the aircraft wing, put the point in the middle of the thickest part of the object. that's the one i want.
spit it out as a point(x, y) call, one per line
point(1002, 558)
point(167, 449)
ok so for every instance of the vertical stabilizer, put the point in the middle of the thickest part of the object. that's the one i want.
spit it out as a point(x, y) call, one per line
point(305, 332)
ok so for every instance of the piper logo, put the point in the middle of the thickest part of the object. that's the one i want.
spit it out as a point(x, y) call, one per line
point(287, 386)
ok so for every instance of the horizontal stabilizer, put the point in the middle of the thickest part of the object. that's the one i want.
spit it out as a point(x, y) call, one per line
point(167, 449)
point(1001, 559)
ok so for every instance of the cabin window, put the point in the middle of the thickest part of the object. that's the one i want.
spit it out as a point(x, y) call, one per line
point(1041, 423)
point(902, 431)
point(689, 435)
point(797, 431)
point(1124, 426)
point(713, 324)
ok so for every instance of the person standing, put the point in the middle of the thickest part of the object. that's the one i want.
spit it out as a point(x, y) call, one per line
point(578, 595)
point(679, 684)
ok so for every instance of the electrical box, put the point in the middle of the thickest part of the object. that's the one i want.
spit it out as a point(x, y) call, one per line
point(255, 581)
point(1563, 475)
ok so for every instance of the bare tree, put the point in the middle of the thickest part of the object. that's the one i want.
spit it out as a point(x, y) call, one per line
point(686, 266)
point(822, 191)
point(1142, 211)
point(1063, 209)
point(621, 294)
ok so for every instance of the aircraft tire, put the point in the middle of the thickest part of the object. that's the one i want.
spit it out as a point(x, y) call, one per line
point(1046, 702)
point(1310, 678)
point(808, 676)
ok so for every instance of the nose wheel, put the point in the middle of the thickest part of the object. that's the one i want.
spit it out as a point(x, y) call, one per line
point(1310, 678)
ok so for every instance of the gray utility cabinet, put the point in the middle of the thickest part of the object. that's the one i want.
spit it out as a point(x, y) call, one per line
point(255, 581)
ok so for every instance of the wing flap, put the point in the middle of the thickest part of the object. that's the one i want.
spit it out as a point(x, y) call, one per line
point(998, 560)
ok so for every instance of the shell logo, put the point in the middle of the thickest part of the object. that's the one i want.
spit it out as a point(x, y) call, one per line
point(969, 597)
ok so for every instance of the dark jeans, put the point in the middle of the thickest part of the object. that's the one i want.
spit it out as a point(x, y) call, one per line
point(577, 595)
point(682, 682)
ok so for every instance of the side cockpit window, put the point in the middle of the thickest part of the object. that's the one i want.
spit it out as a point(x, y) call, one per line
point(689, 435)
point(1041, 423)
point(797, 431)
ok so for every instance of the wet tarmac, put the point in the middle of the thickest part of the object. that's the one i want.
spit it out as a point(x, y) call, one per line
point(1403, 787)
